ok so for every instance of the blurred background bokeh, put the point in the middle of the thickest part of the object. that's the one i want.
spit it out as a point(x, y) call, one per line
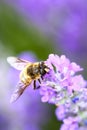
point(32, 29)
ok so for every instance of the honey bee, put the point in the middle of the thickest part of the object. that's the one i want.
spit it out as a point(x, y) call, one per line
point(30, 72)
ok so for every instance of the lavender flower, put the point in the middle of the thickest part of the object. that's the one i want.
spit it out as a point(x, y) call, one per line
point(65, 88)
point(70, 124)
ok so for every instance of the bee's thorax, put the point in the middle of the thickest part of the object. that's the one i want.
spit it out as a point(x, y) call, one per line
point(33, 72)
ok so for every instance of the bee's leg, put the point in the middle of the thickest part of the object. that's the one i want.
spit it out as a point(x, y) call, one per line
point(42, 77)
point(39, 80)
point(34, 87)
point(39, 85)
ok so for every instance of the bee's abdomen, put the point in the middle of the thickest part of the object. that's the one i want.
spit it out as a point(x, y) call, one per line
point(25, 78)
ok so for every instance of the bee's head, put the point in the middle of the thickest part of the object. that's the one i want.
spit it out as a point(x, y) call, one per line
point(43, 68)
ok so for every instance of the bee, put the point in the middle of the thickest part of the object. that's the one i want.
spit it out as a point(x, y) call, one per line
point(30, 72)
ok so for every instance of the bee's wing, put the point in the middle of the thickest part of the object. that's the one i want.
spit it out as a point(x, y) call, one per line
point(17, 63)
point(17, 92)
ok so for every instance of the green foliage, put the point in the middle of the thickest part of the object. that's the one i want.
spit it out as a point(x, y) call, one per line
point(18, 36)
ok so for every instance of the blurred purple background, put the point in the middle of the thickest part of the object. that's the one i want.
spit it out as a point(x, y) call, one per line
point(61, 26)
point(64, 21)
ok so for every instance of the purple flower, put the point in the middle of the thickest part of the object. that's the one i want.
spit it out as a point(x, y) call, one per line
point(61, 78)
point(66, 89)
point(60, 112)
point(70, 124)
